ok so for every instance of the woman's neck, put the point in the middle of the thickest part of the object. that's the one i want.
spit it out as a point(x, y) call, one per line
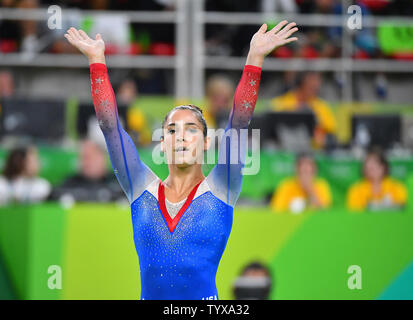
point(376, 185)
point(181, 181)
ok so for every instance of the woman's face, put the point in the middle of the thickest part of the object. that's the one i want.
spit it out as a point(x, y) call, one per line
point(32, 163)
point(220, 98)
point(306, 170)
point(373, 169)
point(183, 141)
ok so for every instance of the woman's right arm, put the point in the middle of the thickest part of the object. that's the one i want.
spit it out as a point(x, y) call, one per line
point(132, 174)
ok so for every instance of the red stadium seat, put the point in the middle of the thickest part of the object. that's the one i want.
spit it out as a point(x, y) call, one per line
point(375, 5)
point(309, 52)
point(361, 55)
point(162, 49)
point(403, 55)
point(283, 52)
point(8, 45)
point(136, 49)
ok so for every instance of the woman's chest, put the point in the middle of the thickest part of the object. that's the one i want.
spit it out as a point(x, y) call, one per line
point(206, 220)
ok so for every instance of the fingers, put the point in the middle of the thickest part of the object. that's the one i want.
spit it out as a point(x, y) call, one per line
point(290, 40)
point(99, 37)
point(286, 29)
point(290, 32)
point(70, 39)
point(278, 27)
point(84, 35)
point(263, 28)
point(74, 34)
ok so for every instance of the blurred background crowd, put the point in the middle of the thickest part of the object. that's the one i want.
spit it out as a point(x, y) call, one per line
point(334, 110)
point(299, 110)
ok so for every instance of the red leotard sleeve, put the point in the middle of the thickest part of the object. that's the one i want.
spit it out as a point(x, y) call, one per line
point(132, 174)
point(225, 179)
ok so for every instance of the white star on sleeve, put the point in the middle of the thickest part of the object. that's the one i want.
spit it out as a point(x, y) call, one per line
point(246, 104)
point(99, 80)
point(104, 103)
point(252, 82)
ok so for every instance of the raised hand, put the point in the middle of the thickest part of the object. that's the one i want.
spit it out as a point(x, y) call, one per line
point(94, 49)
point(263, 41)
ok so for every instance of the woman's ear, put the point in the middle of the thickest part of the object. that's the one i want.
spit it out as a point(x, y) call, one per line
point(207, 142)
point(162, 145)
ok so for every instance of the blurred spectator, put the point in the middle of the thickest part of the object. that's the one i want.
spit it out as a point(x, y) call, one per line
point(58, 44)
point(29, 28)
point(305, 191)
point(127, 94)
point(115, 29)
point(154, 38)
point(320, 41)
point(254, 283)
point(7, 86)
point(305, 98)
point(20, 182)
point(235, 39)
point(377, 190)
point(93, 182)
point(219, 94)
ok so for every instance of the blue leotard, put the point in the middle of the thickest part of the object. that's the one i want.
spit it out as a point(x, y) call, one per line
point(178, 257)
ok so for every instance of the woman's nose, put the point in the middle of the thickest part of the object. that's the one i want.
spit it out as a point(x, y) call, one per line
point(180, 137)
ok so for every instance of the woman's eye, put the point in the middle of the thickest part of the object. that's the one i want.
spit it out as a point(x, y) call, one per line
point(193, 130)
point(171, 131)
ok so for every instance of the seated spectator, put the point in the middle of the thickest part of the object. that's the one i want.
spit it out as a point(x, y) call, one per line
point(29, 28)
point(320, 41)
point(254, 283)
point(305, 191)
point(93, 182)
point(7, 86)
point(305, 98)
point(219, 93)
point(20, 182)
point(127, 94)
point(114, 28)
point(377, 190)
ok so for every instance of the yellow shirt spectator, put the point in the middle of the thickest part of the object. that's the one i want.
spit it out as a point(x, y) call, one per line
point(137, 122)
point(219, 98)
point(324, 116)
point(290, 196)
point(361, 196)
point(209, 119)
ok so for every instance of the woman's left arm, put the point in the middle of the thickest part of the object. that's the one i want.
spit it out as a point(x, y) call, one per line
point(225, 179)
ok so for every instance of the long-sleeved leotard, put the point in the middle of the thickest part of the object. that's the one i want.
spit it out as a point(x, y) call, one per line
point(133, 175)
point(178, 257)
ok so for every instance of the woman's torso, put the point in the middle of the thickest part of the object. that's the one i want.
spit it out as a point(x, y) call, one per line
point(182, 263)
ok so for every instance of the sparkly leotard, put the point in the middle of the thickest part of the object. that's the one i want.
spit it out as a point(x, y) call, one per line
point(178, 255)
